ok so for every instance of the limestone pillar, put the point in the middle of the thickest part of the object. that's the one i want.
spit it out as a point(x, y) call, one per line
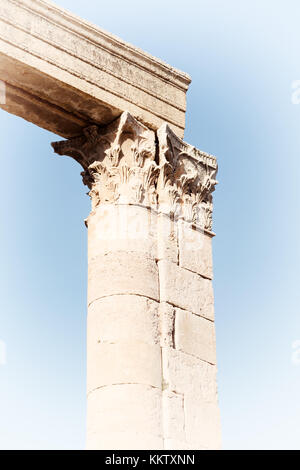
point(151, 356)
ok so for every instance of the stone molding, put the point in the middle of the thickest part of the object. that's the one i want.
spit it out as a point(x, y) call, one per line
point(64, 73)
point(127, 163)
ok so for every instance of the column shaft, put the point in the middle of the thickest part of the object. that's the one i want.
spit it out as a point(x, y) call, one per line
point(124, 375)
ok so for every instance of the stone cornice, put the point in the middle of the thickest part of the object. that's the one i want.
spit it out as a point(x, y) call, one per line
point(69, 66)
point(108, 41)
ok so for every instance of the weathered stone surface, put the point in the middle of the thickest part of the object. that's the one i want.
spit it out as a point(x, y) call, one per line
point(173, 415)
point(134, 242)
point(123, 363)
point(124, 441)
point(122, 273)
point(132, 228)
point(186, 289)
point(186, 180)
point(125, 408)
point(140, 248)
point(167, 324)
point(64, 73)
point(118, 161)
point(195, 335)
point(188, 375)
point(193, 381)
point(128, 228)
point(174, 444)
point(195, 250)
point(128, 318)
point(202, 423)
point(120, 166)
point(108, 98)
point(167, 238)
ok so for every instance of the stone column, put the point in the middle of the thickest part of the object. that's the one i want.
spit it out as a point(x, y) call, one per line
point(151, 366)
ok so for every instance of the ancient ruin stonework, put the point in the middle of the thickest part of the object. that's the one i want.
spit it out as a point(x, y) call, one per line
point(151, 353)
point(63, 73)
point(151, 377)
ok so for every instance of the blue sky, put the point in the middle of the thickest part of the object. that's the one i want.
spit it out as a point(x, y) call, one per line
point(243, 58)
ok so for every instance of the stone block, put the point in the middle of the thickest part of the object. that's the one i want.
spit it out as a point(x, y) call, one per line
point(128, 228)
point(120, 318)
point(174, 444)
point(123, 363)
point(195, 335)
point(202, 423)
point(186, 289)
point(185, 374)
point(173, 415)
point(122, 273)
point(125, 408)
point(167, 324)
point(167, 243)
point(124, 441)
point(195, 250)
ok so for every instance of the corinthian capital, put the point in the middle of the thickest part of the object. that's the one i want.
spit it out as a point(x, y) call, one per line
point(187, 179)
point(118, 161)
point(124, 163)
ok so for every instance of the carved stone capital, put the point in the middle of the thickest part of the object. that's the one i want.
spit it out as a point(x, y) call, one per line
point(187, 179)
point(118, 161)
point(124, 163)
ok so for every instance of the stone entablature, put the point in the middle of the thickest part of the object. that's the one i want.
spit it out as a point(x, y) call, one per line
point(151, 353)
point(63, 73)
point(127, 163)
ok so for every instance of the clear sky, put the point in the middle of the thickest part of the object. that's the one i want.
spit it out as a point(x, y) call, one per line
point(243, 57)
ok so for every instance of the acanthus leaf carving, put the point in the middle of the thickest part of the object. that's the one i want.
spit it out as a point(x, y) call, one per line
point(118, 161)
point(120, 166)
point(187, 179)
